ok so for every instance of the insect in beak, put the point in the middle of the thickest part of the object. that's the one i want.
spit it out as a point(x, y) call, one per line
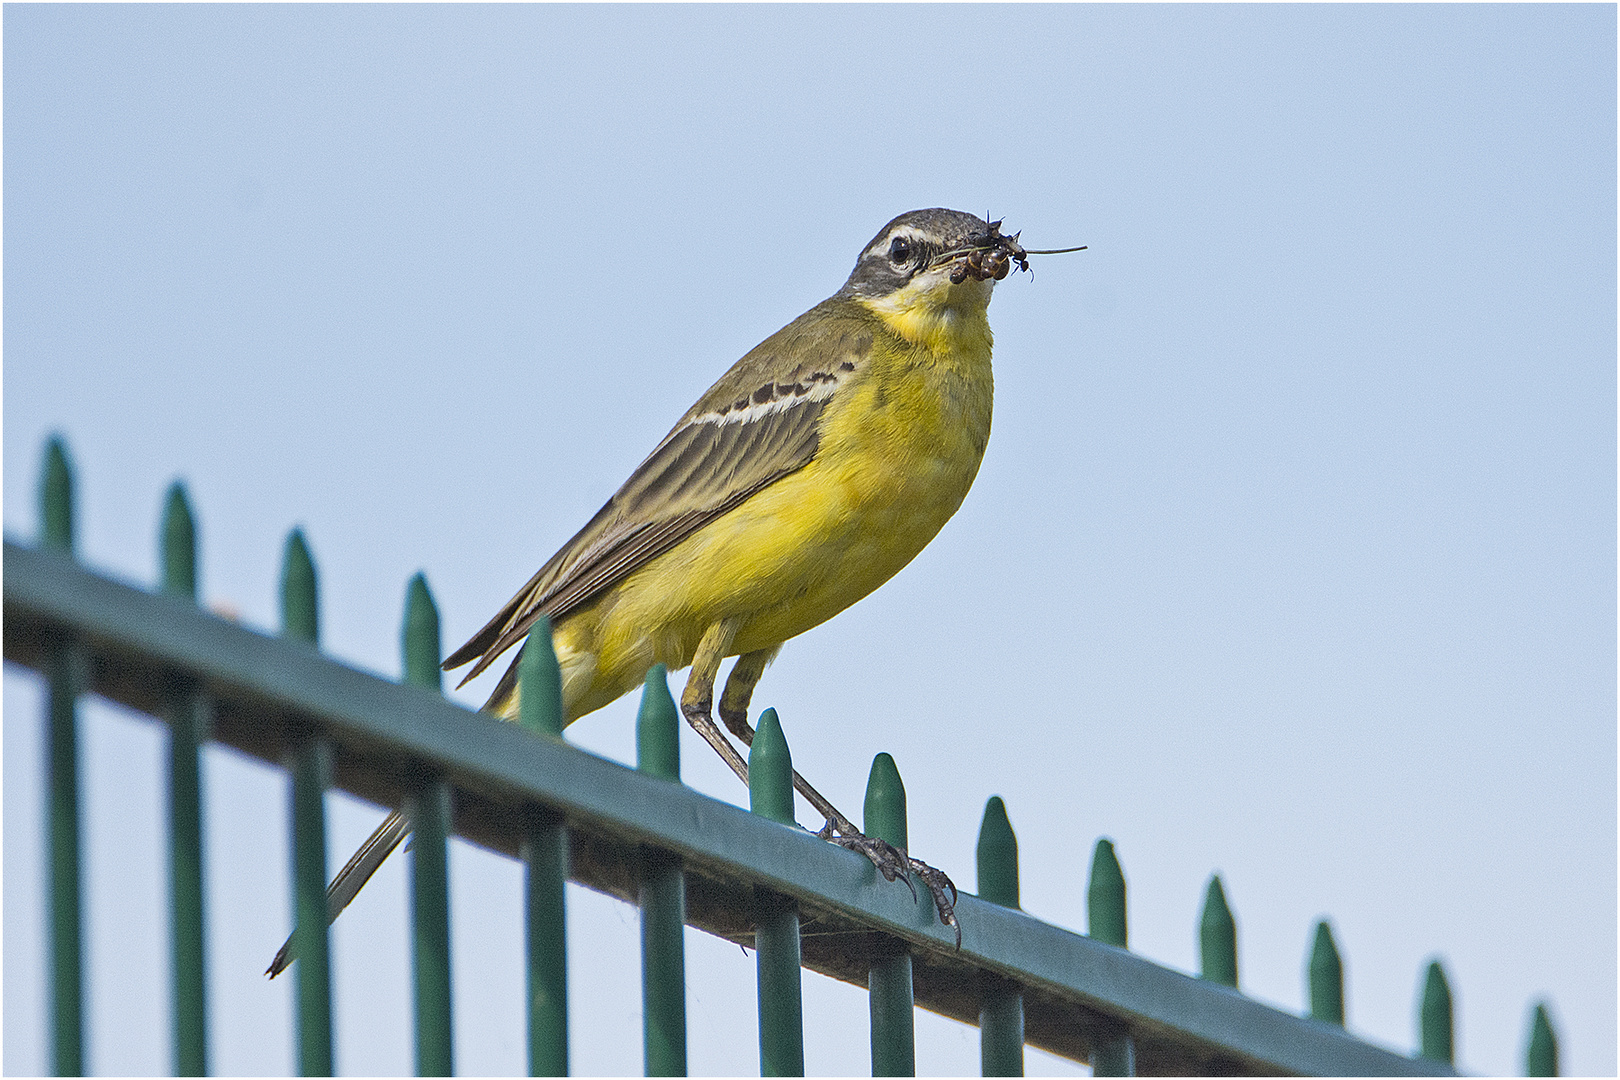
point(993, 257)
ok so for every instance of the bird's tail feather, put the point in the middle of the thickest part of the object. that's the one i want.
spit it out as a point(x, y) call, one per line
point(349, 880)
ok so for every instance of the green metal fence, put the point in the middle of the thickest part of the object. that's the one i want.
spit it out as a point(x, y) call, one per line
point(749, 877)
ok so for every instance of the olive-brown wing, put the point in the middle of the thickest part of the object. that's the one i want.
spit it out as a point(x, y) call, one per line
point(752, 428)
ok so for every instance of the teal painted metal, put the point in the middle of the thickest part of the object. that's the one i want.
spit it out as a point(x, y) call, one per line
point(540, 682)
point(661, 893)
point(65, 672)
point(545, 859)
point(419, 637)
point(1435, 1031)
point(770, 772)
point(1217, 937)
point(178, 545)
point(429, 813)
point(1001, 1008)
point(1001, 1029)
point(1070, 982)
point(1105, 896)
point(888, 980)
point(997, 855)
point(1115, 1054)
point(1325, 977)
point(300, 611)
point(658, 728)
point(885, 808)
point(1541, 1055)
point(65, 667)
point(311, 769)
point(545, 863)
point(187, 714)
point(776, 917)
point(57, 530)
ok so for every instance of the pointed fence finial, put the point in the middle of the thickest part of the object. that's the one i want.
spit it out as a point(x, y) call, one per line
point(1217, 937)
point(540, 682)
point(1105, 896)
point(885, 812)
point(1541, 1057)
point(1325, 977)
point(56, 498)
point(419, 637)
point(998, 856)
point(300, 619)
point(1434, 1017)
point(178, 544)
point(658, 730)
point(770, 771)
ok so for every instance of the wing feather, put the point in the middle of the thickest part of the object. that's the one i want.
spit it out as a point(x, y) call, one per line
point(759, 423)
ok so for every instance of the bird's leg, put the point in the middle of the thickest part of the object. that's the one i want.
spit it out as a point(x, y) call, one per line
point(892, 862)
point(734, 700)
point(739, 691)
point(697, 700)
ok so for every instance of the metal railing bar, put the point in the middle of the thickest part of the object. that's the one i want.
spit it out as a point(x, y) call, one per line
point(1076, 990)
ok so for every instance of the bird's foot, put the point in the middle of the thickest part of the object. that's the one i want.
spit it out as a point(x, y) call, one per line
point(893, 863)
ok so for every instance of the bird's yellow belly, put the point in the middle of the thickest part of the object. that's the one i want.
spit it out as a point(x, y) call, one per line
point(889, 475)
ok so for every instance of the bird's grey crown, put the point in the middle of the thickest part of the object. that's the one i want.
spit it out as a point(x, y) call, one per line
point(937, 230)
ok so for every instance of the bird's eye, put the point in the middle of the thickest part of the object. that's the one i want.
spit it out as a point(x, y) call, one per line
point(900, 251)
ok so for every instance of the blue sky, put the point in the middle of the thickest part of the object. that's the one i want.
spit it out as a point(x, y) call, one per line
point(1292, 556)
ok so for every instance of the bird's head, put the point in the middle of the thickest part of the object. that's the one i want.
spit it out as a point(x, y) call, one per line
point(934, 264)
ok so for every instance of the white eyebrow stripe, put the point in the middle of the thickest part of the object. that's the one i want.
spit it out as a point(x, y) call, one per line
point(910, 232)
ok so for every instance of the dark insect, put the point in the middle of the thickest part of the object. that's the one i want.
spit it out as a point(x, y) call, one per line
point(994, 257)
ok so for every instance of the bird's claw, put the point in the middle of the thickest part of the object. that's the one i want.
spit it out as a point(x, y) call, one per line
point(893, 863)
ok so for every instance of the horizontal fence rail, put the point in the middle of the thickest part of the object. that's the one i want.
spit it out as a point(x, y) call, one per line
point(1080, 997)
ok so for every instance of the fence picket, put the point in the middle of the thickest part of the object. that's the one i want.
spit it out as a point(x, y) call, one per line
point(1217, 937)
point(1541, 1056)
point(662, 895)
point(65, 664)
point(310, 765)
point(776, 919)
point(187, 714)
point(888, 981)
point(428, 809)
point(1001, 1005)
point(311, 768)
point(1435, 1031)
point(1105, 896)
point(1325, 977)
point(545, 859)
point(540, 682)
point(1114, 1055)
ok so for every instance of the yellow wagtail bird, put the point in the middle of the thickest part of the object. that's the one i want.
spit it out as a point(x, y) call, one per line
point(815, 469)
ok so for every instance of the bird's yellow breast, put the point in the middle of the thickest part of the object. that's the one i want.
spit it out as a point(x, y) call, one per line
point(899, 447)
